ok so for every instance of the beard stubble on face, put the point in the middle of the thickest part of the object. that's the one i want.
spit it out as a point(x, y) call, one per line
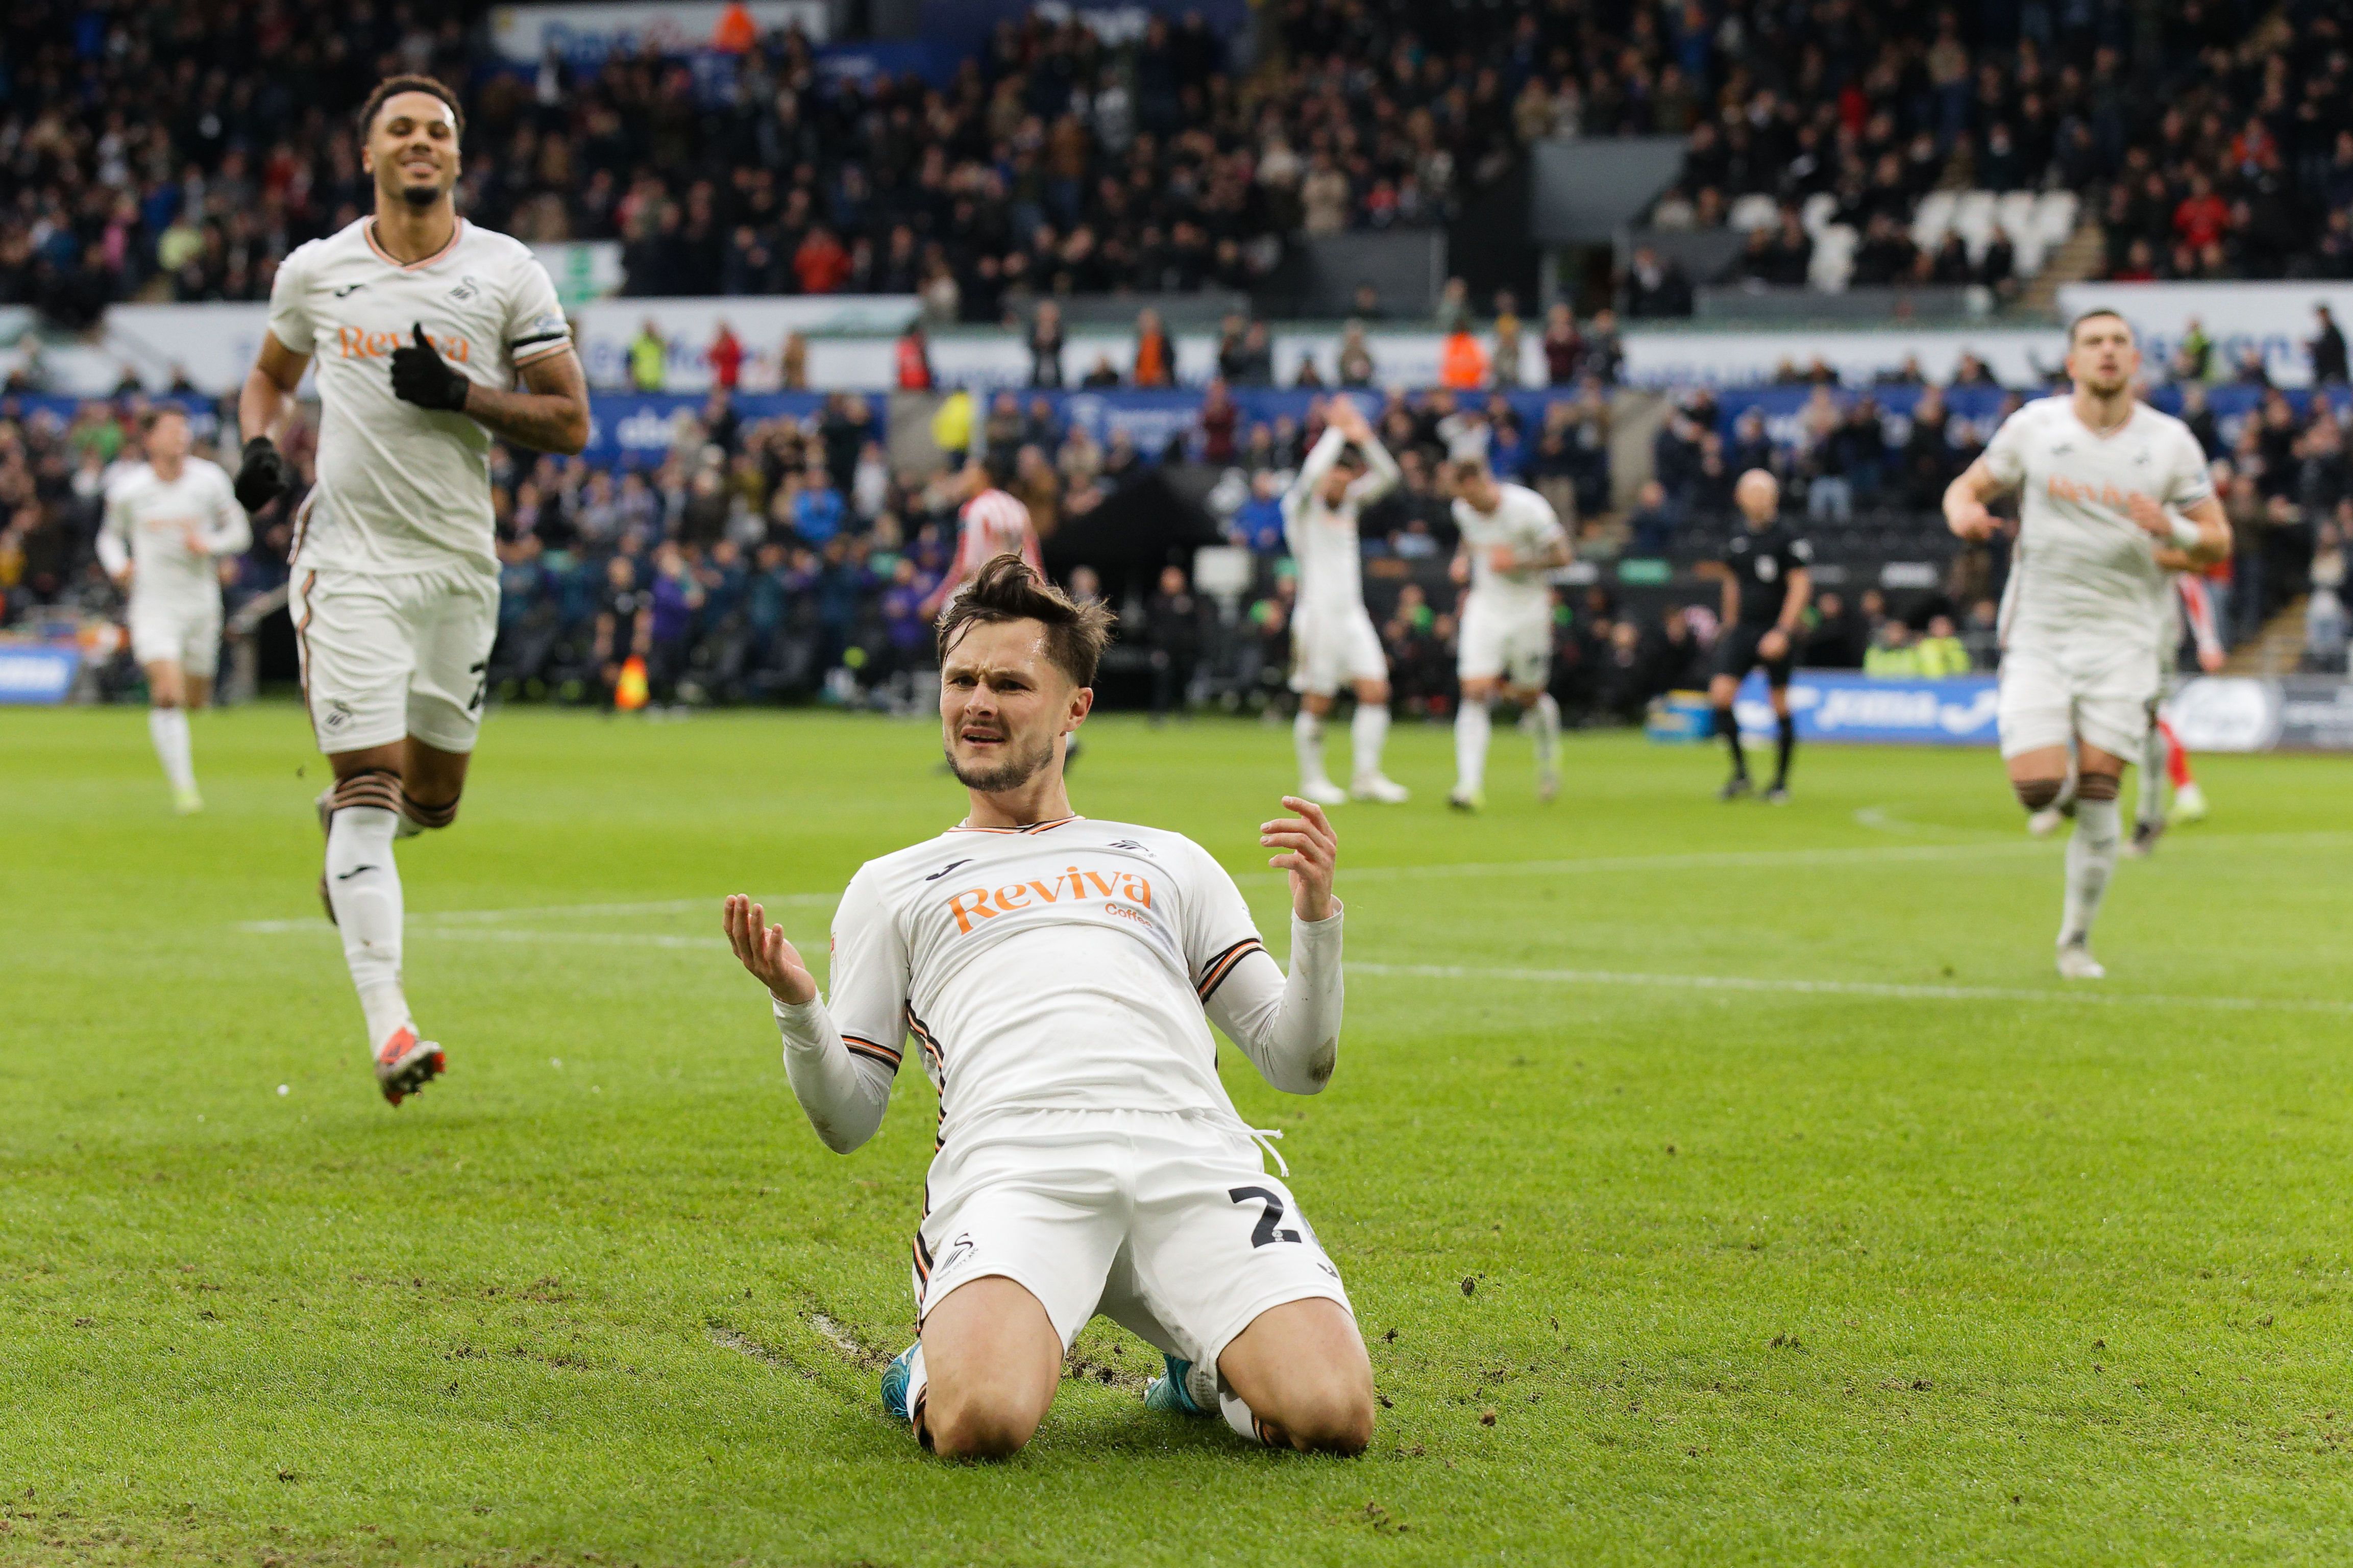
point(1012, 772)
point(420, 196)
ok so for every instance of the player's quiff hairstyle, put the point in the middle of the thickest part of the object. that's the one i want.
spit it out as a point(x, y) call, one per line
point(394, 86)
point(1006, 590)
point(2093, 314)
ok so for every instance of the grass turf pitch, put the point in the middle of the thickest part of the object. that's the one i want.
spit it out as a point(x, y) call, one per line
point(1755, 1174)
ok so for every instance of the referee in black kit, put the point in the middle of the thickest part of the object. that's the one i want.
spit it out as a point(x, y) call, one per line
point(1767, 578)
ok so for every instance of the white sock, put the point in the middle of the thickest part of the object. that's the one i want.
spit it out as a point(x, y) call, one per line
point(168, 728)
point(2091, 857)
point(1547, 732)
point(364, 885)
point(1307, 736)
point(918, 1380)
point(1472, 730)
point(1237, 1417)
point(1369, 731)
point(2152, 777)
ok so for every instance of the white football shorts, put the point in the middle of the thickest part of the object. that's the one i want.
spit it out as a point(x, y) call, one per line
point(1329, 651)
point(1513, 642)
point(1165, 1223)
point(391, 654)
point(182, 631)
point(2101, 691)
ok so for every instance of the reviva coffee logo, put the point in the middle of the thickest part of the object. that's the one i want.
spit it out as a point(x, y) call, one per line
point(975, 904)
point(358, 343)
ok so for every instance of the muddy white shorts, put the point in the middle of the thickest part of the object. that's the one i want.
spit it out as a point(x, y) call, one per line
point(1332, 650)
point(184, 631)
point(1167, 1225)
point(2101, 691)
point(391, 654)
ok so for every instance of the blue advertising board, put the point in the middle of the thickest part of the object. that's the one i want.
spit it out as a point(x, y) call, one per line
point(1843, 705)
point(31, 672)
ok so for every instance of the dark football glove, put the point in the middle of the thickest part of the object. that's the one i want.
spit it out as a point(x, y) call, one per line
point(420, 375)
point(264, 476)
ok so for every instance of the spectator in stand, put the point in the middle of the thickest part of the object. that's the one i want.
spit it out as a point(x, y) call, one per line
point(1045, 345)
point(1215, 421)
point(822, 262)
point(648, 358)
point(726, 356)
point(1307, 376)
point(1837, 636)
point(1563, 349)
point(1462, 363)
point(912, 359)
point(1651, 524)
point(2328, 349)
point(1257, 360)
point(1505, 363)
point(1173, 625)
point(1357, 367)
point(792, 363)
point(1656, 289)
point(2202, 217)
point(1103, 376)
point(1155, 356)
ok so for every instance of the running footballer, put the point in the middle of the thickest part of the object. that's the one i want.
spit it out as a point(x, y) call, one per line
point(1059, 976)
point(2112, 495)
point(419, 324)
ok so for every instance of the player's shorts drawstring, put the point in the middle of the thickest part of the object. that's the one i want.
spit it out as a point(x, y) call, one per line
point(1264, 1138)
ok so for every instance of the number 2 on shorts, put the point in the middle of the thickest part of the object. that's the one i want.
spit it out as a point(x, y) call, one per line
point(1270, 1217)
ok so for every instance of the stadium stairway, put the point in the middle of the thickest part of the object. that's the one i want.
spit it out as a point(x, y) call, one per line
point(2079, 256)
point(2277, 649)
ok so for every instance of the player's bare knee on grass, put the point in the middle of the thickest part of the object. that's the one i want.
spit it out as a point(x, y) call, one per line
point(1302, 1369)
point(970, 1427)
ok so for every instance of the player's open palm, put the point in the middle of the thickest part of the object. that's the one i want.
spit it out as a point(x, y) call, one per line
point(1310, 851)
point(765, 952)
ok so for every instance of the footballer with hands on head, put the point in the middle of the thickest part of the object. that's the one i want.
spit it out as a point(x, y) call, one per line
point(1059, 976)
point(418, 323)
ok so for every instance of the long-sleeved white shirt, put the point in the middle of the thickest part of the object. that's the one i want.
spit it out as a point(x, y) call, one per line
point(1072, 964)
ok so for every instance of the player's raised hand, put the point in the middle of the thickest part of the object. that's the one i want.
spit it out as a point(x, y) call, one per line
point(1311, 853)
point(765, 952)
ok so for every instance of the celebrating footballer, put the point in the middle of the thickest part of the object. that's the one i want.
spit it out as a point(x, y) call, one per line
point(419, 323)
point(1058, 977)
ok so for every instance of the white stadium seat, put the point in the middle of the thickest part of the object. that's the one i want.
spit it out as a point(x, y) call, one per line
point(1754, 211)
point(2014, 210)
point(1973, 221)
point(2029, 252)
point(1833, 259)
point(1932, 218)
point(2054, 217)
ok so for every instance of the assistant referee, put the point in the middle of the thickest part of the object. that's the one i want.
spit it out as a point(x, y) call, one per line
point(1767, 578)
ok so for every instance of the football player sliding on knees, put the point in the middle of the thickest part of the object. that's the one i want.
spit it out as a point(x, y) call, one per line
point(1058, 978)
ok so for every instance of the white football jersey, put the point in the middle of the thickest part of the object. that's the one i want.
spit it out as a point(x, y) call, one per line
point(1524, 521)
point(1322, 539)
point(173, 532)
point(1063, 964)
point(402, 487)
point(2080, 563)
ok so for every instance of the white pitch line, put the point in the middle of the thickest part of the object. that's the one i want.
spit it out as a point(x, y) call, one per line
point(1849, 988)
point(1729, 859)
